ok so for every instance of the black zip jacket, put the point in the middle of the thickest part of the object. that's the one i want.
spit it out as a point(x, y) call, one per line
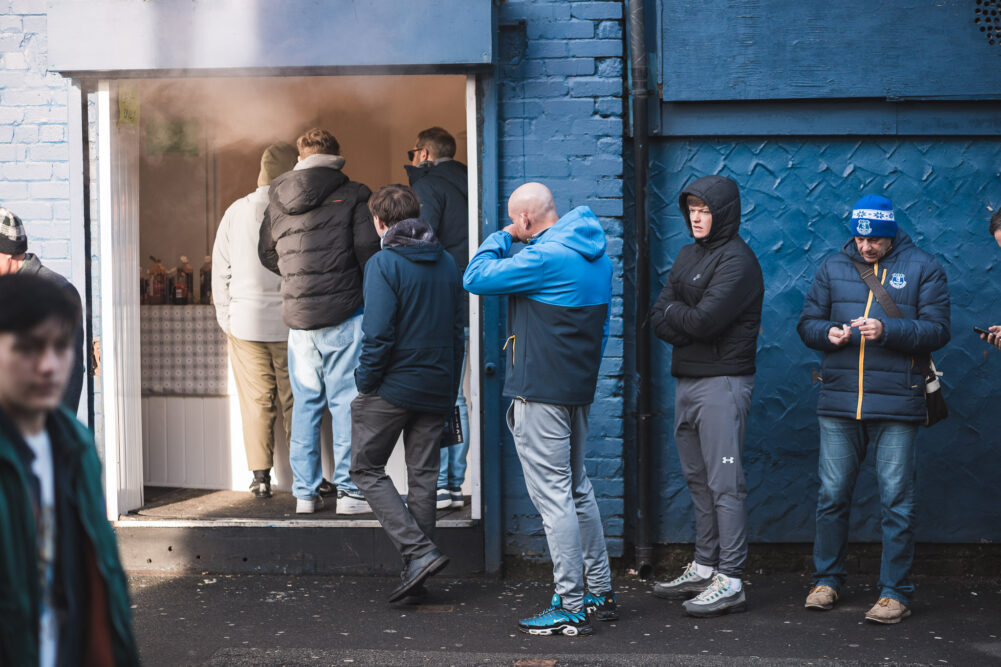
point(710, 307)
point(317, 235)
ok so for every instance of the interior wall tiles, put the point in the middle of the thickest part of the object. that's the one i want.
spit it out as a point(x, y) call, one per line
point(797, 196)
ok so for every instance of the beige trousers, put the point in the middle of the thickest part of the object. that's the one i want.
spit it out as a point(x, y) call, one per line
point(261, 373)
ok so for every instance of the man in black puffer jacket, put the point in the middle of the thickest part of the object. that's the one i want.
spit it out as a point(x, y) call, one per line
point(317, 235)
point(710, 311)
point(440, 183)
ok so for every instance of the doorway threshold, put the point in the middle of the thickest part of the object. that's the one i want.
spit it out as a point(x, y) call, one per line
point(168, 507)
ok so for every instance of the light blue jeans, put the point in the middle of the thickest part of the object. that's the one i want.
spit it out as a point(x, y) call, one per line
point(452, 473)
point(321, 365)
point(551, 440)
point(843, 446)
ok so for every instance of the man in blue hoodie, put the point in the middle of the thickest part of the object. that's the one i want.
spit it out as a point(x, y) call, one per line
point(872, 397)
point(559, 288)
point(407, 377)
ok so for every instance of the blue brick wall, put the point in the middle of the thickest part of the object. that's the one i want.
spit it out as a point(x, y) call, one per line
point(797, 194)
point(561, 123)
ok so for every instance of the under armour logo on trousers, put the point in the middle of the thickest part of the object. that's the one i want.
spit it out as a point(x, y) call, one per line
point(727, 459)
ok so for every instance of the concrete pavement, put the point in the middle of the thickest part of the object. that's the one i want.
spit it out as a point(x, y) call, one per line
point(289, 620)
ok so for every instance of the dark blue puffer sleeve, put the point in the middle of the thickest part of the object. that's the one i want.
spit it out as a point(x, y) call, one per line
point(930, 331)
point(815, 319)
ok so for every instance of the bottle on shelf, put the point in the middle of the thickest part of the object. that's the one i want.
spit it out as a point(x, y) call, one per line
point(205, 281)
point(184, 282)
point(157, 283)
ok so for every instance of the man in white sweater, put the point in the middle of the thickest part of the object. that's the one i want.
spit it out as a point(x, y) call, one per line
point(249, 309)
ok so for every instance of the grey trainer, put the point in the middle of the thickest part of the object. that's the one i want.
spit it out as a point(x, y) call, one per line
point(683, 587)
point(716, 600)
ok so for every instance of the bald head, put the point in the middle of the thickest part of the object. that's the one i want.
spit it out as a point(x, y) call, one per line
point(532, 210)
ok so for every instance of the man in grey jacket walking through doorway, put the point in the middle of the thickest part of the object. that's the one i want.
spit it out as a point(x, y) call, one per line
point(710, 311)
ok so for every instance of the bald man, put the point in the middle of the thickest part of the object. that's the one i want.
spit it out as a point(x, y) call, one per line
point(560, 287)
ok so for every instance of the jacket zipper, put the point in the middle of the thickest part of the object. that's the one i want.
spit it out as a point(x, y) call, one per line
point(861, 350)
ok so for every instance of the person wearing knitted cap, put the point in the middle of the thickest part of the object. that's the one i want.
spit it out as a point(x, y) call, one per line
point(872, 397)
point(248, 307)
point(15, 258)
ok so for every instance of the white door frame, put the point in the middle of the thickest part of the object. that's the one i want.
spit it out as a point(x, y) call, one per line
point(118, 168)
point(118, 183)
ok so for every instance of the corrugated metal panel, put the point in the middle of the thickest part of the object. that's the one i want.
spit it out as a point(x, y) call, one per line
point(797, 195)
point(134, 35)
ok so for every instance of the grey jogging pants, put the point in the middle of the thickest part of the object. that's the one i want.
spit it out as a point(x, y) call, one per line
point(710, 417)
point(550, 440)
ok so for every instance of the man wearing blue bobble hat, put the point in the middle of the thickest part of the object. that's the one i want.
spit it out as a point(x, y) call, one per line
point(872, 396)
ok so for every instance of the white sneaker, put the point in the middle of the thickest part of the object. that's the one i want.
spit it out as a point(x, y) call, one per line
point(718, 599)
point(351, 503)
point(303, 506)
point(443, 499)
point(458, 500)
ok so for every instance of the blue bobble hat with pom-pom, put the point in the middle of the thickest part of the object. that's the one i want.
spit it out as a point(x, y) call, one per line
point(873, 216)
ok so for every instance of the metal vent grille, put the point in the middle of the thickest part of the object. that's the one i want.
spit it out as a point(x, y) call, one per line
point(987, 17)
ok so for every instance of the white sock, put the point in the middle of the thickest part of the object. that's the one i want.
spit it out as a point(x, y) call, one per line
point(704, 571)
point(735, 584)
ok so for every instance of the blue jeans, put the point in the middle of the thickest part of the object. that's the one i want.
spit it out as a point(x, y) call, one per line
point(321, 365)
point(843, 445)
point(452, 473)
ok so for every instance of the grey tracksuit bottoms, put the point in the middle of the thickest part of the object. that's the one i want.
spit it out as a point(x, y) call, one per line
point(710, 417)
point(551, 440)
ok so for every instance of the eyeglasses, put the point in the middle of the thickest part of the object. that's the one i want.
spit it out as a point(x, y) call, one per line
point(412, 152)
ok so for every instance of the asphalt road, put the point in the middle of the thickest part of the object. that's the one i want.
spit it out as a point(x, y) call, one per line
point(286, 620)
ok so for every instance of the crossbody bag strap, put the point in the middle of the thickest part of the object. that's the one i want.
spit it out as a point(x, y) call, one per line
point(882, 296)
point(868, 276)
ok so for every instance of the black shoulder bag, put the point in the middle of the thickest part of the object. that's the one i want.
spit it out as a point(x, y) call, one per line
point(937, 410)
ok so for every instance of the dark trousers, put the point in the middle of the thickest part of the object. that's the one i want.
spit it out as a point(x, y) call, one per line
point(375, 427)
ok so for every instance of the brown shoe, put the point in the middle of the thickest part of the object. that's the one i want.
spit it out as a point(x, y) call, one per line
point(821, 597)
point(887, 611)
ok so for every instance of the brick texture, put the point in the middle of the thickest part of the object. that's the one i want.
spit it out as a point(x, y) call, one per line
point(561, 124)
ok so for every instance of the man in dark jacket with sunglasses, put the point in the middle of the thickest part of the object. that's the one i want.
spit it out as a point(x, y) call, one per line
point(872, 395)
point(710, 311)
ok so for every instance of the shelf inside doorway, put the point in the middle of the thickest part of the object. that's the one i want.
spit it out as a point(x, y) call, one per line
point(179, 507)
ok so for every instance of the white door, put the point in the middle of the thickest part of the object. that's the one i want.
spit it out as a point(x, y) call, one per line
point(118, 183)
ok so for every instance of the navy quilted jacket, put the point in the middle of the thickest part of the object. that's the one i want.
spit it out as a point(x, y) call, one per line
point(877, 380)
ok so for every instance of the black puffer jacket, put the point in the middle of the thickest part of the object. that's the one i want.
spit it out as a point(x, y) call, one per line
point(710, 307)
point(317, 235)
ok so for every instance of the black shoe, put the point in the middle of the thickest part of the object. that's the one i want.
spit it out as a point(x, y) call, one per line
point(416, 571)
point(602, 605)
point(326, 488)
point(261, 486)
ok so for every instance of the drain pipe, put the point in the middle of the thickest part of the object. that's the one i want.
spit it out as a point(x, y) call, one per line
point(638, 94)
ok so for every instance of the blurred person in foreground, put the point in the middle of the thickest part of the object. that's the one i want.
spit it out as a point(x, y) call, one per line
point(63, 592)
point(15, 258)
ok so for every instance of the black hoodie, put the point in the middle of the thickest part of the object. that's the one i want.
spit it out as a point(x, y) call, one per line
point(317, 235)
point(443, 191)
point(710, 307)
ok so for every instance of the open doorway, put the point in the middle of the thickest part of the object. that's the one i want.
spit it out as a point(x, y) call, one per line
point(174, 154)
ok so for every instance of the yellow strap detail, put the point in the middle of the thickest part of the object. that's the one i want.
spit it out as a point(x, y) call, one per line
point(861, 351)
point(511, 339)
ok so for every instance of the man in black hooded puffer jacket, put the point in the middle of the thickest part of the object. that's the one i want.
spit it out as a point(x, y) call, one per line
point(710, 311)
point(317, 235)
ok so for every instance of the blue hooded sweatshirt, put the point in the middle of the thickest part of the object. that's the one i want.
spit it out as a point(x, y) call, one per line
point(560, 287)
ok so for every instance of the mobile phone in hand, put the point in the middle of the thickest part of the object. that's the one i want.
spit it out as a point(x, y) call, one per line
point(981, 331)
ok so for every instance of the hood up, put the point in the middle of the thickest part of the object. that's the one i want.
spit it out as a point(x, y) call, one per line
point(722, 196)
point(578, 230)
point(413, 239)
point(308, 185)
